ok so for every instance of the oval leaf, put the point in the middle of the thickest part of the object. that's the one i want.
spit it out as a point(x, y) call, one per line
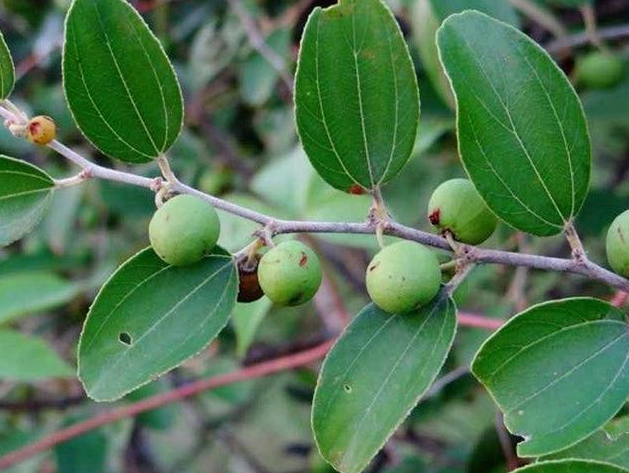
point(25, 358)
point(522, 133)
point(120, 86)
point(25, 193)
point(357, 102)
point(571, 466)
point(558, 371)
point(374, 375)
point(150, 317)
point(7, 71)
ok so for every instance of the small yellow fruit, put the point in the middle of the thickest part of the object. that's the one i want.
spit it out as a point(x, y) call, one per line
point(41, 130)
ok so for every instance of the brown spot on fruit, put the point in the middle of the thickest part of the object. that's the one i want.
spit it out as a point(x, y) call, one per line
point(374, 266)
point(357, 190)
point(303, 260)
point(435, 217)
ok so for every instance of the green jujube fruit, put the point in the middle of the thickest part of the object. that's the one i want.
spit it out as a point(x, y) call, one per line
point(403, 276)
point(617, 244)
point(184, 230)
point(290, 273)
point(457, 207)
point(599, 70)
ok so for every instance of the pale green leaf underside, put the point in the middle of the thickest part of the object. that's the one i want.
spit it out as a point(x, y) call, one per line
point(558, 371)
point(25, 358)
point(609, 444)
point(522, 133)
point(7, 72)
point(357, 101)
point(120, 86)
point(31, 292)
point(374, 376)
point(25, 193)
point(571, 466)
point(167, 314)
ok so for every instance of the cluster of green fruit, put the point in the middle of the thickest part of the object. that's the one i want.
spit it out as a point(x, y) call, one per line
point(401, 277)
point(407, 275)
point(186, 228)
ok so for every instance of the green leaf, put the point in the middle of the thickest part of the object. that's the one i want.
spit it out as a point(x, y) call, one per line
point(522, 133)
point(374, 376)
point(357, 102)
point(28, 292)
point(571, 466)
point(609, 444)
point(7, 72)
point(120, 86)
point(150, 317)
point(25, 358)
point(558, 371)
point(247, 319)
point(25, 193)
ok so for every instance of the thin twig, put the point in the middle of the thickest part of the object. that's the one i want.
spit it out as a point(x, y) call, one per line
point(579, 39)
point(541, 16)
point(113, 415)
point(278, 226)
point(259, 44)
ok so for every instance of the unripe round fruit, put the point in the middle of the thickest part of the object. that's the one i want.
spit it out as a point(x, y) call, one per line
point(41, 130)
point(403, 276)
point(249, 289)
point(599, 70)
point(184, 230)
point(457, 207)
point(290, 273)
point(617, 244)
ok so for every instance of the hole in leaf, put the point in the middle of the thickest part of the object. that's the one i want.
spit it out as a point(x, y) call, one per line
point(125, 338)
point(347, 388)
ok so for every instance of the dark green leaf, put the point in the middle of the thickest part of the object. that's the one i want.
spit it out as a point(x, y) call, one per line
point(357, 102)
point(25, 193)
point(150, 317)
point(571, 466)
point(374, 376)
point(522, 132)
point(120, 86)
point(558, 371)
point(7, 73)
point(27, 292)
point(25, 358)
